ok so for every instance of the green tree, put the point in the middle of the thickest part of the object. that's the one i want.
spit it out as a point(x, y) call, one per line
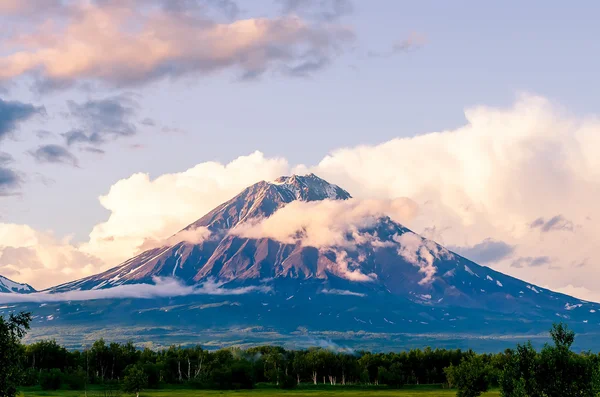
point(11, 333)
point(393, 377)
point(135, 380)
point(470, 377)
point(563, 373)
point(511, 382)
point(527, 369)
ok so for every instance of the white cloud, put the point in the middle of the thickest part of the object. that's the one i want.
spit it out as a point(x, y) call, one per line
point(491, 179)
point(161, 288)
point(421, 253)
point(40, 258)
point(327, 223)
point(341, 292)
point(331, 224)
point(145, 210)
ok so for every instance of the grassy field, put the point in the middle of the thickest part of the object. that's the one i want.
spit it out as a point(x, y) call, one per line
point(424, 392)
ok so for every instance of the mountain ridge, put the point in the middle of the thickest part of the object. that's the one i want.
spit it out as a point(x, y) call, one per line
point(9, 286)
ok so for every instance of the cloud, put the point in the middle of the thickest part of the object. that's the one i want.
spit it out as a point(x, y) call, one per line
point(94, 150)
point(41, 258)
point(28, 7)
point(171, 202)
point(487, 251)
point(148, 122)
point(12, 113)
point(192, 236)
point(328, 10)
point(328, 223)
point(341, 292)
point(557, 222)
point(346, 268)
point(489, 178)
point(9, 181)
point(530, 261)
point(6, 158)
point(335, 225)
point(54, 154)
point(103, 119)
point(133, 42)
point(421, 253)
point(161, 288)
point(413, 42)
point(44, 134)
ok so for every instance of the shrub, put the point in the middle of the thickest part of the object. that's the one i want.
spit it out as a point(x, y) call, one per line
point(287, 381)
point(470, 377)
point(51, 380)
point(75, 380)
point(392, 377)
point(31, 377)
point(135, 380)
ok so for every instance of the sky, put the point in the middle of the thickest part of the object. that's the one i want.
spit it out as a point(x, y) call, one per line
point(126, 120)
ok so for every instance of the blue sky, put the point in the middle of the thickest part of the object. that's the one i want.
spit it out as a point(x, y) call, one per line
point(405, 69)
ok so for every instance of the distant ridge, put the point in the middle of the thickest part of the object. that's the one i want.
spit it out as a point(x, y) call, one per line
point(9, 286)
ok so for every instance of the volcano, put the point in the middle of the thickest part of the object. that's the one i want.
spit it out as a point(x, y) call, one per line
point(377, 284)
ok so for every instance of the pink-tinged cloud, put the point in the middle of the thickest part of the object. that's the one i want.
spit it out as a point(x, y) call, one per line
point(327, 223)
point(128, 43)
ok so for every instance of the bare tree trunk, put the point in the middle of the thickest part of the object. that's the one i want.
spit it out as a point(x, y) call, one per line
point(314, 376)
point(343, 379)
point(179, 369)
point(199, 367)
point(189, 368)
point(298, 378)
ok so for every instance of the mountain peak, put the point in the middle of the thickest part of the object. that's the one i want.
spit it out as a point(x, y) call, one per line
point(262, 199)
point(310, 187)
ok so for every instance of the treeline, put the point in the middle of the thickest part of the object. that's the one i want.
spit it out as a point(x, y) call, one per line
point(554, 371)
point(233, 367)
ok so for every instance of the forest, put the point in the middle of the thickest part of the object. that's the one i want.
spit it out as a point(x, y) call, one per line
point(555, 370)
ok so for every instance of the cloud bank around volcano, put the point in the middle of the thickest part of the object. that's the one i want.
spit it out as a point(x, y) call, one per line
point(509, 176)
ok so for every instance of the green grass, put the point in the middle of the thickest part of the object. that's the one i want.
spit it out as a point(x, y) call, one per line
point(415, 392)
